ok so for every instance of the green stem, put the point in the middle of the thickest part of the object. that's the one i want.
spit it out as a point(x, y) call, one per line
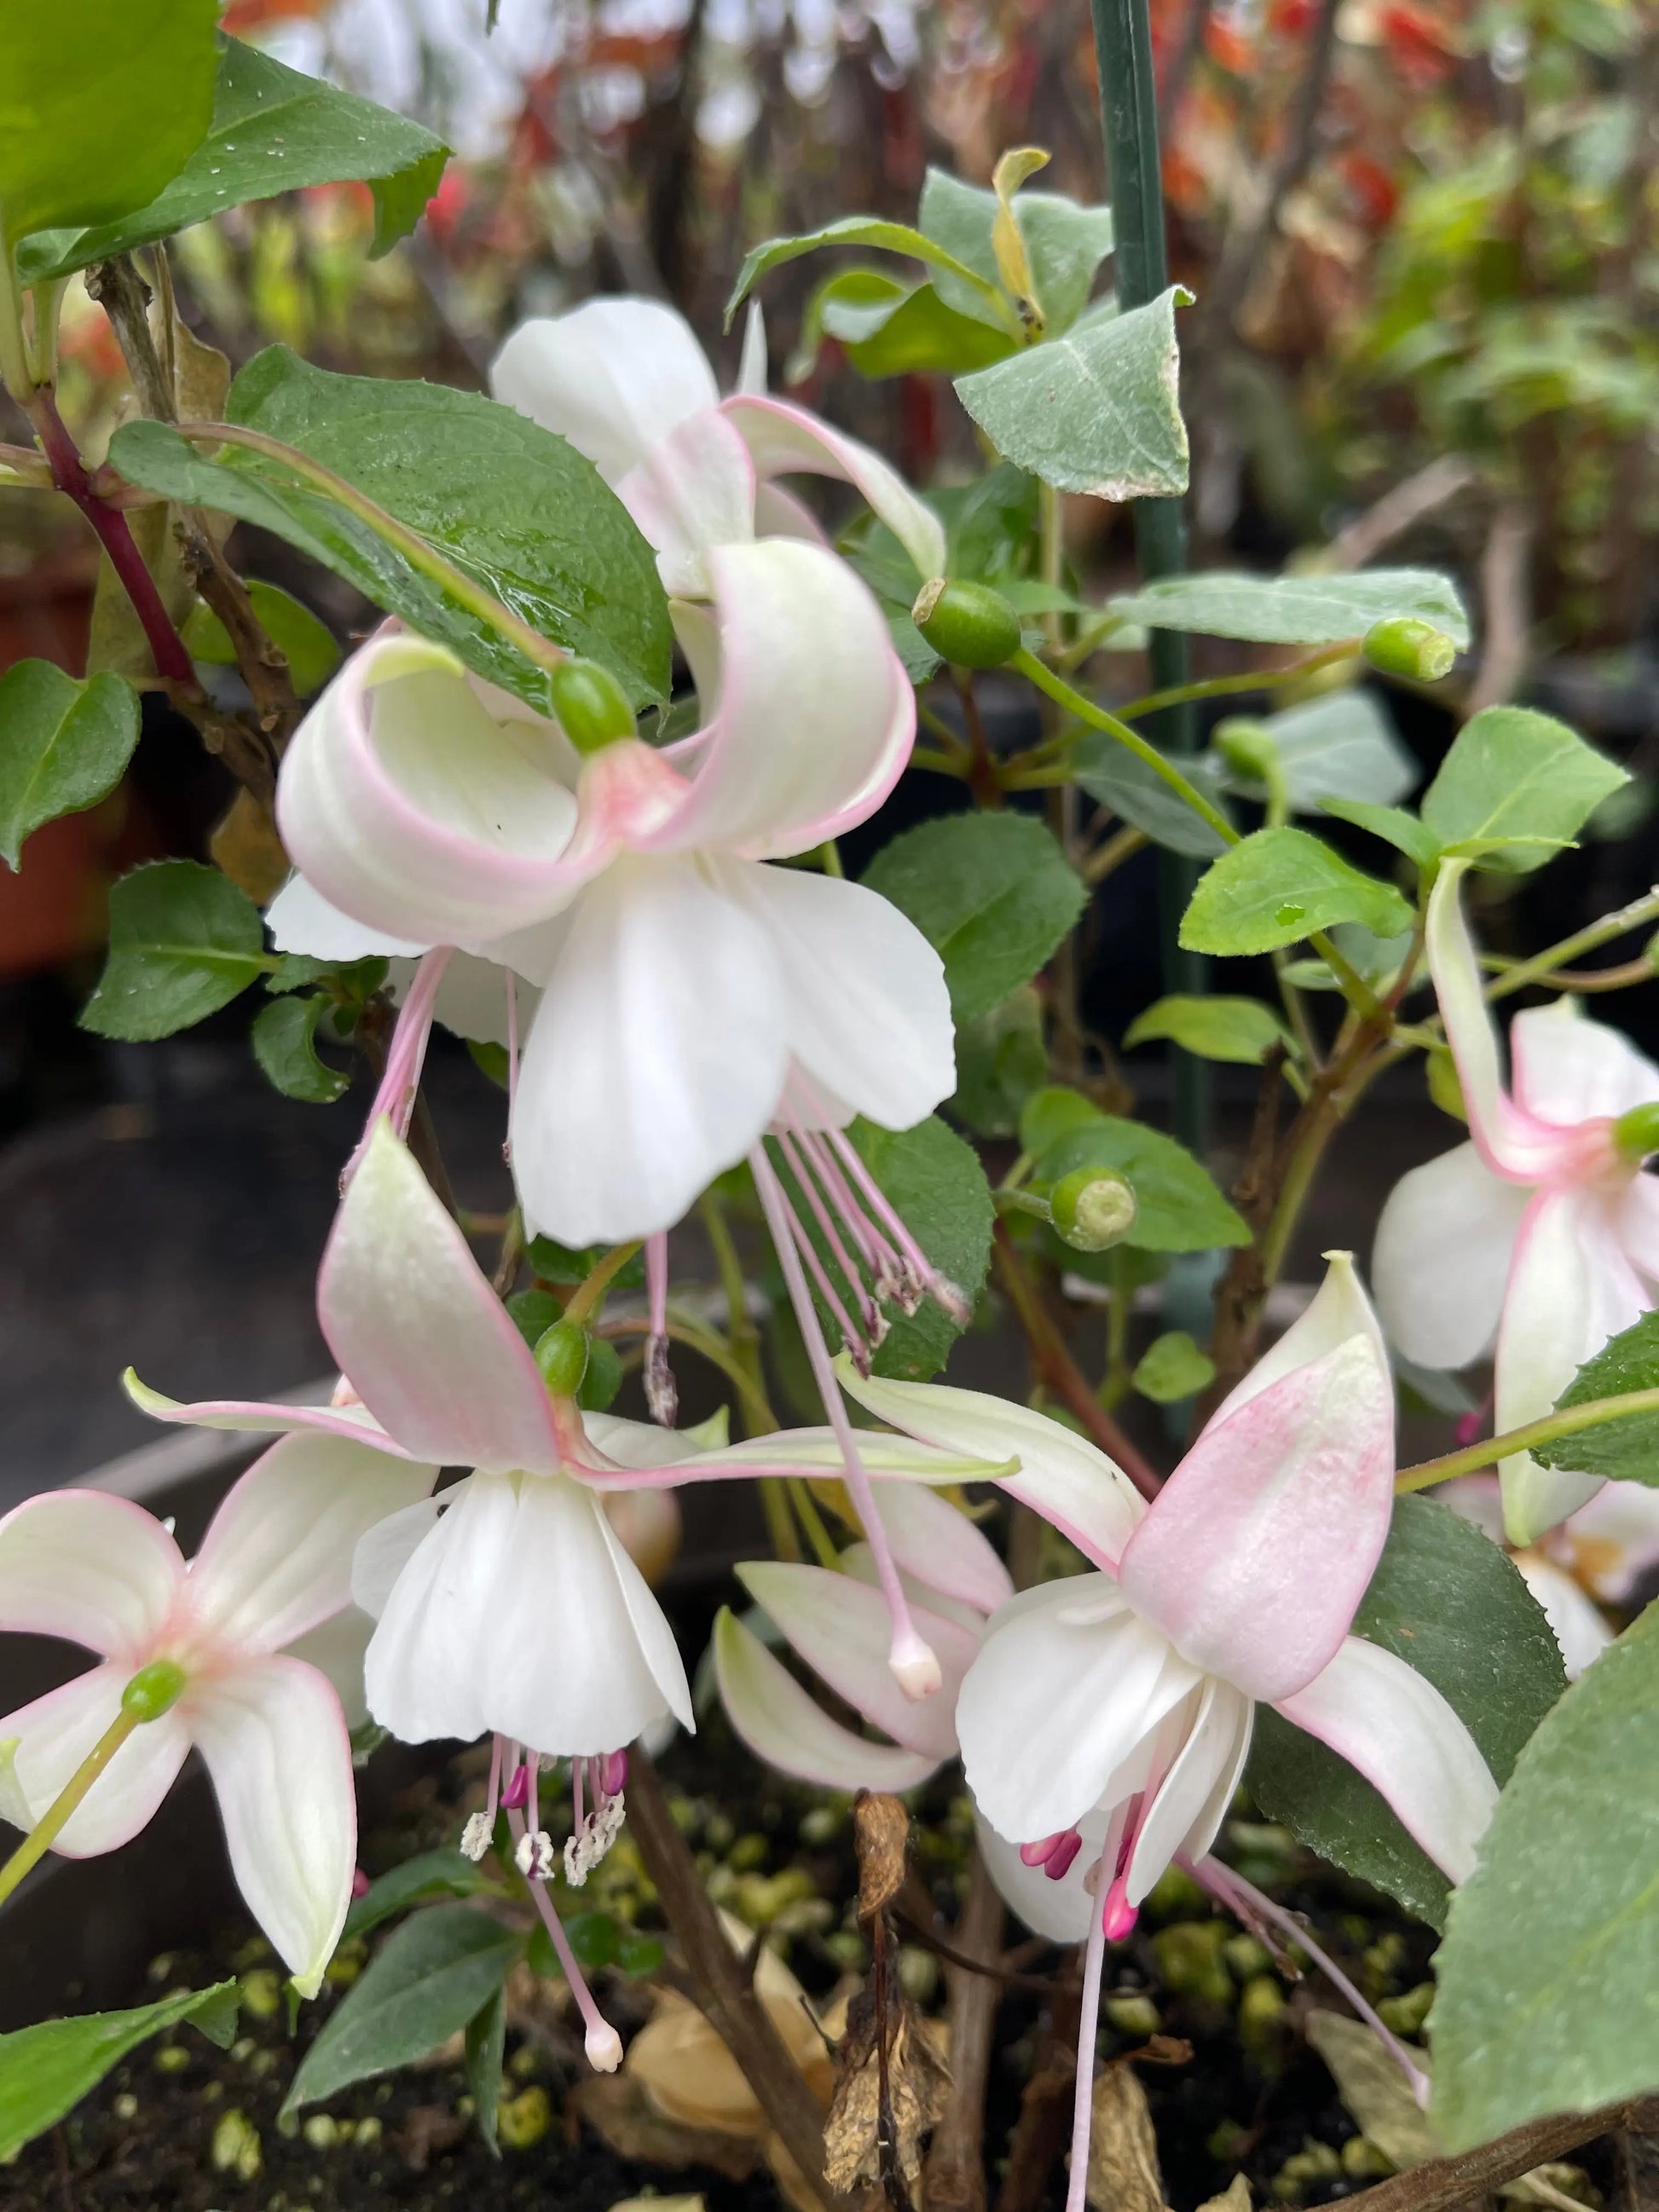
point(41, 1839)
point(1122, 846)
point(806, 1506)
point(1225, 687)
point(589, 1296)
point(414, 549)
point(1057, 689)
point(1644, 909)
point(1564, 1422)
point(15, 373)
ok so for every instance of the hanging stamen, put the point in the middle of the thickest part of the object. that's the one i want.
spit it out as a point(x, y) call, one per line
point(480, 1829)
point(873, 1325)
point(939, 1287)
point(596, 1832)
point(600, 2040)
point(661, 1394)
point(859, 1350)
point(914, 1664)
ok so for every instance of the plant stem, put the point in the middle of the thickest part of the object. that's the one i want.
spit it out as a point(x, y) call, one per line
point(589, 1295)
point(954, 2181)
point(1563, 1422)
point(46, 1830)
point(1440, 2184)
point(34, 470)
point(1122, 846)
point(1223, 687)
point(1059, 1372)
point(1544, 964)
point(1097, 718)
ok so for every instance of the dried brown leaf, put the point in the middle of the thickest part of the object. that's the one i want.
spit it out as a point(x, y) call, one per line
point(246, 848)
point(1373, 2091)
point(622, 2114)
point(1234, 2197)
point(881, 1829)
point(1123, 2170)
point(918, 2084)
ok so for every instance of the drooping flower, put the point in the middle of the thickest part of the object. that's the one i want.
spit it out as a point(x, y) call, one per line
point(1542, 1231)
point(275, 1566)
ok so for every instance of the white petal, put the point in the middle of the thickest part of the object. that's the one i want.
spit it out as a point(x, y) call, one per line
point(1188, 1804)
point(1442, 1258)
point(1052, 1706)
point(336, 1648)
point(384, 1550)
point(520, 1612)
point(1569, 1068)
point(1637, 1221)
point(656, 1058)
point(1062, 1910)
point(277, 1560)
point(695, 489)
point(275, 1741)
point(936, 1542)
point(751, 369)
point(96, 1570)
point(1391, 1723)
point(472, 1000)
point(1577, 1622)
point(780, 1724)
point(613, 377)
point(1060, 1475)
point(869, 1011)
point(55, 1734)
point(783, 437)
point(301, 920)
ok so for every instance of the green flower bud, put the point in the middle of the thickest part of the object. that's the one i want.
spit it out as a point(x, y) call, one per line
point(590, 704)
point(562, 1353)
point(1405, 646)
point(153, 1690)
point(1246, 746)
point(970, 625)
point(1636, 1133)
point(603, 1378)
point(1093, 1208)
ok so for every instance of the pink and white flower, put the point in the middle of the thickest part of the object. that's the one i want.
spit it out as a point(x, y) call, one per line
point(273, 1567)
point(1542, 1231)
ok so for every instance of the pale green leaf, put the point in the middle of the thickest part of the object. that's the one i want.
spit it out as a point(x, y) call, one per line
point(308, 643)
point(863, 230)
point(46, 2070)
point(1173, 1368)
point(1296, 609)
point(1241, 1029)
point(1065, 243)
point(1513, 777)
point(1280, 885)
point(1392, 824)
point(1119, 778)
point(889, 328)
point(1178, 1208)
point(1339, 746)
point(183, 941)
point(284, 1040)
point(62, 745)
point(1095, 412)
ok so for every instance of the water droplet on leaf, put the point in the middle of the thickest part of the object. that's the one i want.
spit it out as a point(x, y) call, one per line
point(1288, 912)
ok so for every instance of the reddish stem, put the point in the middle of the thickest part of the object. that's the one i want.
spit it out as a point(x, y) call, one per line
point(68, 474)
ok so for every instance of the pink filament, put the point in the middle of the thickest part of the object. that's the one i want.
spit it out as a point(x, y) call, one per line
point(592, 2018)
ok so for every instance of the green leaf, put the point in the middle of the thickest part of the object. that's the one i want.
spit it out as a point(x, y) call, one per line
point(1240, 1030)
point(1551, 1952)
point(284, 1040)
point(46, 2070)
point(1341, 746)
point(563, 1263)
point(435, 1973)
point(1053, 1113)
point(313, 655)
point(1119, 780)
point(517, 508)
point(1002, 1058)
point(1173, 1368)
point(1065, 243)
point(1178, 1208)
point(889, 328)
point(443, 1873)
point(1276, 887)
point(867, 230)
point(183, 941)
point(1515, 775)
point(990, 525)
point(1096, 411)
point(992, 893)
point(1627, 1449)
point(1392, 824)
point(272, 130)
point(100, 104)
point(358, 979)
point(62, 745)
point(1296, 609)
point(1445, 1598)
point(486, 2047)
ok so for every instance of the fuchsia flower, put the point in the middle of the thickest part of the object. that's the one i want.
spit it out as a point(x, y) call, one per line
point(1542, 1230)
point(275, 1566)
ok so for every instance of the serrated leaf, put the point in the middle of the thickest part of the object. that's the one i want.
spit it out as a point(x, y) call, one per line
point(1552, 1951)
point(1447, 1600)
point(183, 941)
point(990, 525)
point(1296, 609)
point(866, 230)
point(515, 507)
point(1627, 1448)
point(100, 104)
point(1341, 746)
point(273, 130)
point(308, 643)
point(1002, 1058)
point(1172, 1368)
point(46, 2070)
point(992, 893)
point(486, 2047)
point(62, 745)
point(1241, 1029)
point(1392, 824)
point(1095, 412)
point(1276, 887)
point(1119, 778)
point(284, 1040)
point(433, 1975)
point(1511, 777)
point(1178, 1208)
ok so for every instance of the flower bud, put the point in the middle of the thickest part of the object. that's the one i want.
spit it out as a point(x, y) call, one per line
point(602, 1377)
point(970, 625)
point(1405, 647)
point(562, 1353)
point(1636, 1133)
point(1093, 1208)
point(1246, 747)
point(591, 707)
point(153, 1690)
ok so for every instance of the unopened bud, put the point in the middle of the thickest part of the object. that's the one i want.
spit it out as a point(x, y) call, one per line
point(1405, 647)
point(1636, 1133)
point(1247, 746)
point(1093, 1208)
point(590, 705)
point(562, 1353)
point(153, 1690)
point(602, 1377)
point(970, 625)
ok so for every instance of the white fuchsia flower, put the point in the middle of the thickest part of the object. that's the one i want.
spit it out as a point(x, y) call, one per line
point(1542, 1231)
point(273, 1568)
